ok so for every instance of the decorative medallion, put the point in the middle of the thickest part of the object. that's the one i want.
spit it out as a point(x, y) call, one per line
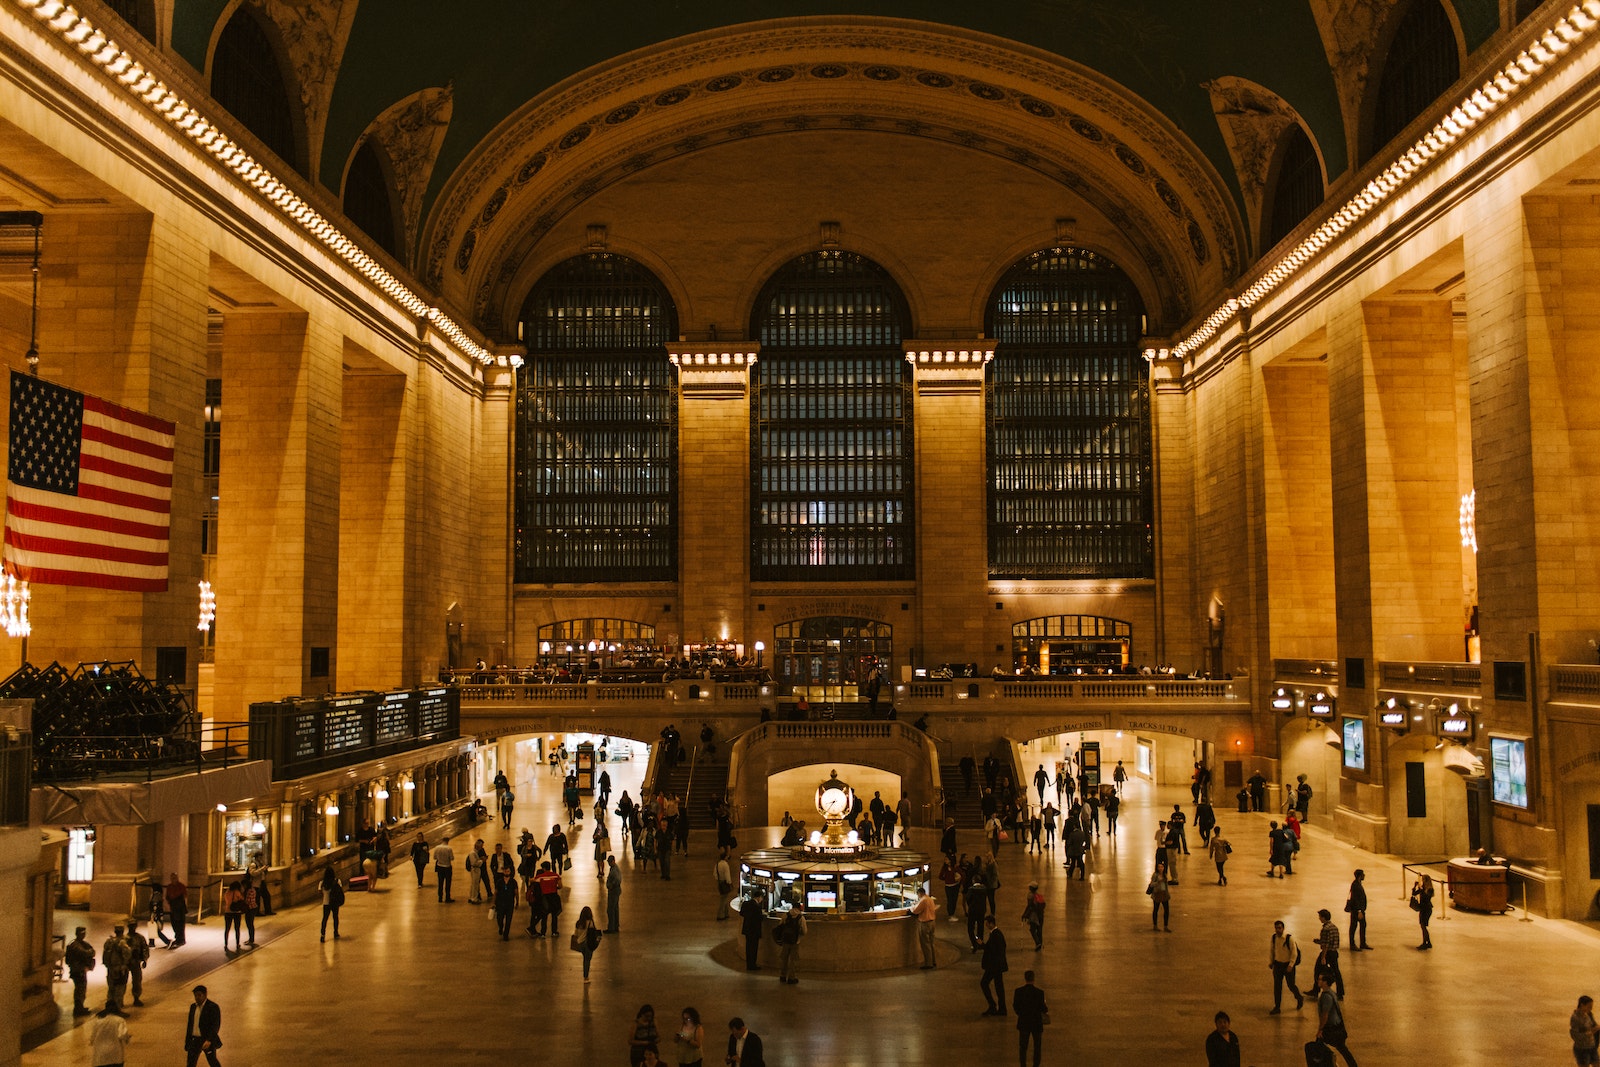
point(1037, 107)
point(881, 74)
point(672, 96)
point(1086, 129)
point(724, 83)
point(828, 70)
point(985, 92)
point(773, 75)
point(530, 168)
point(622, 114)
point(464, 253)
point(1130, 159)
point(935, 81)
point(492, 208)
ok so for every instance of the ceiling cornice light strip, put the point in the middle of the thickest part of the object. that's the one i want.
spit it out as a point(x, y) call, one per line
point(140, 83)
point(1576, 26)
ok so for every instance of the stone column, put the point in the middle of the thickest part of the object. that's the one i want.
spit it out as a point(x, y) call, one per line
point(952, 501)
point(1297, 513)
point(19, 851)
point(1172, 443)
point(373, 542)
point(714, 492)
point(1397, 557)
point(277, 558)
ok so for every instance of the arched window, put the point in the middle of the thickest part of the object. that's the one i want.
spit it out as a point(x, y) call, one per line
point(247, 80)
point(831, 424)
point(831, 657)
point(1068, 422)
point(597, 427)
point(1297, 188)
point(1422, 62)
point(367, 200)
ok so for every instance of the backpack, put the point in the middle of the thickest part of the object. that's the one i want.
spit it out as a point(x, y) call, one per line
point(787, 933)
point(1296, 945)
point(235, 900)
point(336, 894)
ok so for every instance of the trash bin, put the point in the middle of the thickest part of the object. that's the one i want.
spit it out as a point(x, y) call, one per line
point(1244, 800)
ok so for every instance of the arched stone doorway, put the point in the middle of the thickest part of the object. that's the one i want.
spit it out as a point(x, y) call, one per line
point(830, 658)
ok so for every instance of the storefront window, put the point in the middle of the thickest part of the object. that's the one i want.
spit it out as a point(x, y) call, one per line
point(241, 842)
point(1142, 757)
point(80, 854)
point(1509, 770)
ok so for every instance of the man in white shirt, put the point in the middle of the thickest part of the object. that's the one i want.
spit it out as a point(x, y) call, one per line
point(724, 874)
point(108, 1039)
point(924, 911)
point(444, 859)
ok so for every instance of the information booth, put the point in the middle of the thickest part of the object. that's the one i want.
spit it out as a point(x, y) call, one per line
point(584, 764)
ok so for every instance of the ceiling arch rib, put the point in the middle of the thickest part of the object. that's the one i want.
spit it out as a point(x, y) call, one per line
point(885, 76)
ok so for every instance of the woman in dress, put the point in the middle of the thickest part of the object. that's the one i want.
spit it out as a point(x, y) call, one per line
point(1160, 898)
point(585, 938)
point(1422, 893)
point(690, 1039)
point(602, 847)
point(332, 900)
point(642, 1035)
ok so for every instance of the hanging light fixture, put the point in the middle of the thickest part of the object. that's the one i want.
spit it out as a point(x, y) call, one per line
point(14, 597)
point(257, 827)
point(208, 607)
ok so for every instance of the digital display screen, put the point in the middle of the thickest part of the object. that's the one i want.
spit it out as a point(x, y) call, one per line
point(1508, 769)
point(825, 899)
point(1355, 744)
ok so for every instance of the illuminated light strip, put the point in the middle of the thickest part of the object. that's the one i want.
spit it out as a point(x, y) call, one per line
point(134, 79)
point(1575, 26)
point(969, 356)
point(712, 359)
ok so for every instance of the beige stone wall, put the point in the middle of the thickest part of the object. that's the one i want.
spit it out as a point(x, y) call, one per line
point(1297, 513)
point(952, 517)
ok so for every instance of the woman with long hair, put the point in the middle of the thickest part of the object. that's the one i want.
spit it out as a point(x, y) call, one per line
point(690, 1039)
point(1160, 898)
point(642, 1035)
point(1422, 901)
point(585, 938)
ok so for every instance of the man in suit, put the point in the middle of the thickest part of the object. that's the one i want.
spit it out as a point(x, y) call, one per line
point(744, 1047)
point(1027, 1003)
point(752, 924)
point(994, 968)
point(203, 1034)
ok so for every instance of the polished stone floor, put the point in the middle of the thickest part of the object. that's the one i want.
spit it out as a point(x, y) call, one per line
point(413, 981)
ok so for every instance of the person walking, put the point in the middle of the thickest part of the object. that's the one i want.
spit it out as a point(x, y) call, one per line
point(613, 896)
point(1328, 954)
point(138, 956)
point(1277, 855)
point(419, 857)
point(788, 935)
point(504, 899)
point(926, 912)
point(444, 862)
point(1330, 1019)
point(332, 900)
point(79, 958)
point(177, 896)
point(477, 864)
point(233, 916)
point(108, 1040)
point(1174, 839)
point(1222, 1044)
point(547, 883)
point(1283, 958)
point(1179, 822)
point(203, 1035)
point(1356, 905)
point(1205, 820)
point(585, 938)
point(1113, 804)
point(1028, 1005)
point(752, 924)
point(1422, 904)
point(1041, 782)
point(252, 905)
point(1585, 1032)
point(1033, 915)
point(1119, 776)
point(993, 983)
point(1219, 848)
point(1160, 898)
point(977, 908)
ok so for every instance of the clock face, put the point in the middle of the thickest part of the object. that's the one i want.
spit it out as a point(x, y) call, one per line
point(834, 802)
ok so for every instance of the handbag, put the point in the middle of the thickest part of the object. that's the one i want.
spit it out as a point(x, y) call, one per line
point(1044, 1018)
point(1005, 835)
point(1416, 900)
point(576, 944)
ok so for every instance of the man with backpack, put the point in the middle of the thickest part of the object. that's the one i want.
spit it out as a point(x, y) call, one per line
point(1284, 958)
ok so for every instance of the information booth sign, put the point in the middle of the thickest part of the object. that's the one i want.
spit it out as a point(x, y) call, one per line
point(1089, 753)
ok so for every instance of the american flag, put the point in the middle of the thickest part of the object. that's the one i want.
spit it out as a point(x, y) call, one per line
point(88, 491)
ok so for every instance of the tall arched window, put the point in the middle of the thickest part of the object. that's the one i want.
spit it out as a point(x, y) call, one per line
point(367, 198)
point(831, 423)
point(1421, 63)
point(597, 427)
point(247, 80)
point(1297, 188)
point(1068, 422)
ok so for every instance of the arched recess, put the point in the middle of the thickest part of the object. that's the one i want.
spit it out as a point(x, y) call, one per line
point(965, 89)
point(368, 196)
point(1296, 184)
point(1070, 462)
point(1255, 123)
point(831, 425)
point(407, 136)
point(251, 77)
point(1059, 644)
point(595, 429)
point(828, 658)
point(1417, 58)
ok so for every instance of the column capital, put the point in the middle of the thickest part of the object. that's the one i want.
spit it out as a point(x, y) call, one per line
point(713, 370)
point(949, 366)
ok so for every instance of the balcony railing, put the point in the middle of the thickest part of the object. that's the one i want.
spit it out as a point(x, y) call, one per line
point(1314, 671)
point(1463, 678)
point(1575, 683)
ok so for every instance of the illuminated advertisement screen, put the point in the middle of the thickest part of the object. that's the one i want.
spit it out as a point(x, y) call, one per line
point(1355, 744)
point(1508, 769)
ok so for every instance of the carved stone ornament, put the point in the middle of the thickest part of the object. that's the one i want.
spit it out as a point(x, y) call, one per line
point(410, 132)
point(314, 34)
point(1252, 120)
point(1349, 30)
point(1035, 109)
